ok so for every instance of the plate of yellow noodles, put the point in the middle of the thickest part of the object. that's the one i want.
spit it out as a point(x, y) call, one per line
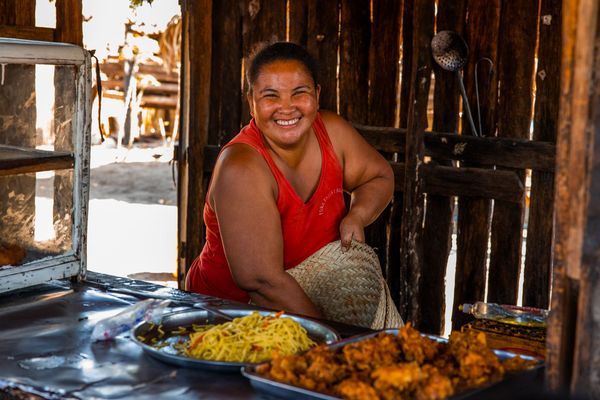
point(198, 338)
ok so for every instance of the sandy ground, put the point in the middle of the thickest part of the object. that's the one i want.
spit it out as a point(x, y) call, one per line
point(132, 223)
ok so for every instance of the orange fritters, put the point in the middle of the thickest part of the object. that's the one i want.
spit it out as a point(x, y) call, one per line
point(386, 366)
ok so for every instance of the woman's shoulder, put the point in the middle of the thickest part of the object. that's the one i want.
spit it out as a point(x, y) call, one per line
point(242, 167)
point(333, 121)
point(240, 156)
point(341, 132)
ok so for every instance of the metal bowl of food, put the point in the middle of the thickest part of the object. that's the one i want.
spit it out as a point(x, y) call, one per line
point(170, 340)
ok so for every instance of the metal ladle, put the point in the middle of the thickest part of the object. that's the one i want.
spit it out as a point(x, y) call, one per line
point(451, 52)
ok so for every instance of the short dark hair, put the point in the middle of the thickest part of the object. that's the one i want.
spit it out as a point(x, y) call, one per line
point(266, 53)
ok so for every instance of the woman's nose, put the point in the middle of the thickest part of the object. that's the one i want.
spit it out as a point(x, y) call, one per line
point(287, 103)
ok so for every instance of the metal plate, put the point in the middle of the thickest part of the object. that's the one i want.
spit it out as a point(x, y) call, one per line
point(317, 331)
point(286, 391)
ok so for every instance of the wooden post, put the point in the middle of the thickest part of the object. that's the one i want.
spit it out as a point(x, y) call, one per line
point(261, 22)
point(383, 105)
point(437, 235)
point(195, 82)
point(354, 60)
point(69, 29)
point(473, 213)
point(322, 42)
point(516, 56)
point(226, 96)
point(538, 259)
point(574, 327)
point(298, 22)
point(69, 22)
point(413, 212)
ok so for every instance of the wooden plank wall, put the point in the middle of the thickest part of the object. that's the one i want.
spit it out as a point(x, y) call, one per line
point(572, 340)
point(449, 184)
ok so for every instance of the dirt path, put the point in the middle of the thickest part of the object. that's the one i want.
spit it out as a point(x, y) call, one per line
point(132, 223)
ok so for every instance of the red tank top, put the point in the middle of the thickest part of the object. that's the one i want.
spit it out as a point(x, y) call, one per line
point(306, 227)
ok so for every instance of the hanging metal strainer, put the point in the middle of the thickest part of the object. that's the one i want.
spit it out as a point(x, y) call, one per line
point(450, 52)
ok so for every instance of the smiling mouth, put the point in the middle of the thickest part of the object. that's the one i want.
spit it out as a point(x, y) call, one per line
point(287, 122)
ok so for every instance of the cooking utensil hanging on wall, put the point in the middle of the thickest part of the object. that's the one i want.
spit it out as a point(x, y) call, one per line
point(451, 53)
point(489, 77)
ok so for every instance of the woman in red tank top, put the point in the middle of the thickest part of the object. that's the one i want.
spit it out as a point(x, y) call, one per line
point(276, 193)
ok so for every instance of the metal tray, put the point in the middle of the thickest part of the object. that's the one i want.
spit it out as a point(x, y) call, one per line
point(286, 391)
point(317, 331)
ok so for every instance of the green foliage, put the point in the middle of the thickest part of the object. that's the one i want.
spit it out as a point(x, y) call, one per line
point(136, 3)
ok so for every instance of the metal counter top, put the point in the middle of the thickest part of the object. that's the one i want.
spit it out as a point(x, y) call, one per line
point(45, 344)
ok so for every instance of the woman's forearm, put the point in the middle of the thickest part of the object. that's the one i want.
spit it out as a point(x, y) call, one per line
point(285, 294)
point(371, 198)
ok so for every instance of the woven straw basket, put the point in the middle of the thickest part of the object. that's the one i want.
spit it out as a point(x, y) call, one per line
point(348, 286)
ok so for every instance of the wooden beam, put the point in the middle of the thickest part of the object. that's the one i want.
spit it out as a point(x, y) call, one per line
point(27, 32)
point(506, 152)
point(466, 182)
point(150, 101)
point(17, 160)
point(440, 180)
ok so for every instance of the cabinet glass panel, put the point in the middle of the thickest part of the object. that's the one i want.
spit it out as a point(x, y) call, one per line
point(37, 107)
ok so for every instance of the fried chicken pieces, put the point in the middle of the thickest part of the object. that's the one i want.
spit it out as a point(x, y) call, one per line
point(386, 366)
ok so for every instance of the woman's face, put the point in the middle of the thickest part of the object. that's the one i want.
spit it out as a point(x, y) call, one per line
point(284, 101)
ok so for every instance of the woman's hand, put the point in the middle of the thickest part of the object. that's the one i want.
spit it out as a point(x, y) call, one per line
point(351, 228)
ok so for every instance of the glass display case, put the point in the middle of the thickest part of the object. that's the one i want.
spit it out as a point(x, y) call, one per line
point(45, 102)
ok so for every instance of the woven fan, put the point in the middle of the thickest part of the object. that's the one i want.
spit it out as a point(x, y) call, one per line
point(347, 286)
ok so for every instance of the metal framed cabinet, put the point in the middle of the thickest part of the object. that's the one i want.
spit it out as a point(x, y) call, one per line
point(45, 118)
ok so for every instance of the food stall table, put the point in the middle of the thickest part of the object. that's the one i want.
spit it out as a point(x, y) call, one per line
point(45, 345)
point(46, 348)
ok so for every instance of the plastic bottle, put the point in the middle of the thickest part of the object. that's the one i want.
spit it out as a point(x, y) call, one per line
point(509, 314)
point(145, 310)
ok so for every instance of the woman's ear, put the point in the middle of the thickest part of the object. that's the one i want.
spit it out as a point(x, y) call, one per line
point(249, 99)
point(318, 91)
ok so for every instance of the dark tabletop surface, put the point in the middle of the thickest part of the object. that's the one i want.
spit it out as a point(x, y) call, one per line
point(45, 345)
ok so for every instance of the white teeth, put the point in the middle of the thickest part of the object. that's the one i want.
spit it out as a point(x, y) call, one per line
point(288, 122)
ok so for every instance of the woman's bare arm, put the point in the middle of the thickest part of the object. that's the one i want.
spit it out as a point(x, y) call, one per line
point(243, 196)
point(368, 177)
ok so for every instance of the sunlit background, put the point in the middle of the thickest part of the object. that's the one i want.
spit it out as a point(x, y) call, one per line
point(132, 221)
